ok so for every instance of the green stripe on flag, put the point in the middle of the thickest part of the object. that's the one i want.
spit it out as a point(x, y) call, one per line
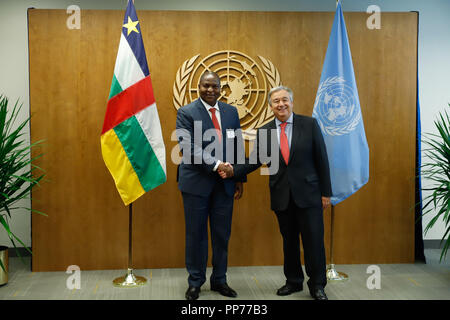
point(140, 153)
point(115, 87)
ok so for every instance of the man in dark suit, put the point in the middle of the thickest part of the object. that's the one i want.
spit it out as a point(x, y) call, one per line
point(205, 194)
point(300, 188)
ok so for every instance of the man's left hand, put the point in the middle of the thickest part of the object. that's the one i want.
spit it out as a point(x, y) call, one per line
point(325, 202)
point(239, 190)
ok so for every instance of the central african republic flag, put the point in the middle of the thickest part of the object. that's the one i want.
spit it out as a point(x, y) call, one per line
point(132, 144)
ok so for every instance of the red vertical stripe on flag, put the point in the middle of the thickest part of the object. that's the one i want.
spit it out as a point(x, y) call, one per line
point(129, 102)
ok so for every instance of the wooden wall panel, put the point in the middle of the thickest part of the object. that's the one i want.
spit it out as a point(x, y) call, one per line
point(70, 77)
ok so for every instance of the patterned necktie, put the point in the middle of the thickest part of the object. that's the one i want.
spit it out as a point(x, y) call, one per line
point(284, 145)
point(216, 123)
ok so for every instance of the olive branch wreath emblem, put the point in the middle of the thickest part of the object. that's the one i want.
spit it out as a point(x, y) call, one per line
point(183, 75)
point(333, 130)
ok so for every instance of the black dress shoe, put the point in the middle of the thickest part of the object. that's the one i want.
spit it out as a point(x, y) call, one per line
point(288, 288)
point(224, 290)
point(318, 294)
point(192, 293)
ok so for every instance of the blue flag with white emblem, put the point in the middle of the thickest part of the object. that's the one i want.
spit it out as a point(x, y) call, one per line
point(338, 112)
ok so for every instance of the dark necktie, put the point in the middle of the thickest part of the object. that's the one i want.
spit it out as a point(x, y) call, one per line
point(284, 144)
point(216, 123)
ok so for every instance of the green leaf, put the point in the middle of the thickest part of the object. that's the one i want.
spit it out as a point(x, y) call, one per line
point(437, 170)
point(18, 171)
point(2, 266)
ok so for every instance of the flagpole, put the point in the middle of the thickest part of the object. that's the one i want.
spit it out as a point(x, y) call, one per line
point(332, 274)
point(130, 280)
point(355, 168)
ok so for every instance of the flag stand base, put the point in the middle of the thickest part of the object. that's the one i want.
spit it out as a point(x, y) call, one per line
point(333, 275)
point(129, 280)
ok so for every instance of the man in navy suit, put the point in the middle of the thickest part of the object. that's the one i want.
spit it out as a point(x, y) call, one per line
point(300, 188)
point(207, 136)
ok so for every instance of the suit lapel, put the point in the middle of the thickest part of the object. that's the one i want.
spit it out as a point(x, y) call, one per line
point(272, 125)
point(296, 129)
point(204, 116)
point(223, 118)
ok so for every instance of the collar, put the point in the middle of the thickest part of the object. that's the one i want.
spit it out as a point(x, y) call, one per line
point(289, 120)
point(207, 106)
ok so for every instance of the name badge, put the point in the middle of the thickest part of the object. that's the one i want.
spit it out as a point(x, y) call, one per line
point(230, 134)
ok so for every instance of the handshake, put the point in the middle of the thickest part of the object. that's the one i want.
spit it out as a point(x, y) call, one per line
point(225, 170)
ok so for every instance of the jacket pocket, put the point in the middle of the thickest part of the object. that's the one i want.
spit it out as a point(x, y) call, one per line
point(312, 178)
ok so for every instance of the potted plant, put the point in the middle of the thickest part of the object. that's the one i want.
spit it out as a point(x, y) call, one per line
point(17, 172)
point(437, 171)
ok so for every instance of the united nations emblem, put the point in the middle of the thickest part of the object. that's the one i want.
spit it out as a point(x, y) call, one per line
point(336, 107)
point(244, 84)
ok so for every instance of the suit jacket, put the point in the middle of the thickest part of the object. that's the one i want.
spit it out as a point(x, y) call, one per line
point(306, 177)
point(195, 173)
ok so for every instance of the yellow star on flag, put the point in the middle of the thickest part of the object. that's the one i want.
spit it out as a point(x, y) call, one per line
point(131, 26)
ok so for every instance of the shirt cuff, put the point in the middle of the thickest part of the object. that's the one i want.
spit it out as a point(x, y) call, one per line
point(217, 165)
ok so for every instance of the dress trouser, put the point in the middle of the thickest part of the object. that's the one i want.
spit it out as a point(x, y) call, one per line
point(308, 222)
point(218, 208)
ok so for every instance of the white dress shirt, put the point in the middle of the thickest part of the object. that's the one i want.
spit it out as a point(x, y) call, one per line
point(216, 106)
point(287, 129)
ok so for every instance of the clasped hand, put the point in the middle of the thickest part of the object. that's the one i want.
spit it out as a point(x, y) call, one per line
point(225, 170)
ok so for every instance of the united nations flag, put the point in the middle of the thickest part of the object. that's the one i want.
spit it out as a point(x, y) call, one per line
point(338, 112)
